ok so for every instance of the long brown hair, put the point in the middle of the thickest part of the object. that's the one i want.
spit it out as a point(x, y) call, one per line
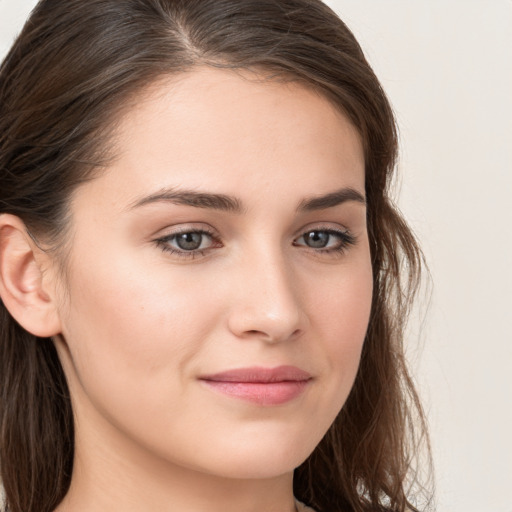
point(62, 88)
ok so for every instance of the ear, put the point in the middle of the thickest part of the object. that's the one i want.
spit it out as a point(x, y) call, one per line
point(24, 288)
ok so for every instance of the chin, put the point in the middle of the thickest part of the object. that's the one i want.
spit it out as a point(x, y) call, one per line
point(259, 468)
point(260, 458)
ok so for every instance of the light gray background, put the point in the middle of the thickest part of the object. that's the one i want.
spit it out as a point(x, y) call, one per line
point(447, 67)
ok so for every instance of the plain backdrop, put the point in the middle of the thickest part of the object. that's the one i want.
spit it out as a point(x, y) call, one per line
point(447, 68)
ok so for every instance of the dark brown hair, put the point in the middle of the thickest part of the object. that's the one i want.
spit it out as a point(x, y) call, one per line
point(62, 87)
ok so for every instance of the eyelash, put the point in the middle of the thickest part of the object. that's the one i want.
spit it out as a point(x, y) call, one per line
point(346, 240)
point(163, 243)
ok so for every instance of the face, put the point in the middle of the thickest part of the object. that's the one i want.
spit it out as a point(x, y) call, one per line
point(218, 288)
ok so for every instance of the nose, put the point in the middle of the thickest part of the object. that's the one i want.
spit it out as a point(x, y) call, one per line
point(266, 304)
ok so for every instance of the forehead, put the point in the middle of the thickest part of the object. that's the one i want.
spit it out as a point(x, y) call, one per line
point(231, 132)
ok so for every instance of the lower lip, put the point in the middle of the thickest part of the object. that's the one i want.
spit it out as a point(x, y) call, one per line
point(262, 393)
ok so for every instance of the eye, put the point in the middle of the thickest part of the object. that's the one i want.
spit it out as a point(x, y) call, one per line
point(317, 239)
point(187, 243)
point(326, 240)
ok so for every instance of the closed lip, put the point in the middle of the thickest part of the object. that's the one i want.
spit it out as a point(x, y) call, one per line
point(262, 375)
point(258, 385)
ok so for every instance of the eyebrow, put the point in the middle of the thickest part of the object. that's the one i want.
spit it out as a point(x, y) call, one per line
point(231, 204)
point(330, 200)
point(192, 198)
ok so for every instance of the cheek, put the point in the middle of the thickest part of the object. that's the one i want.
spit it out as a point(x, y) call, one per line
point(343, 305)
point(133, 338)
point(129, 321)
point(341, 316)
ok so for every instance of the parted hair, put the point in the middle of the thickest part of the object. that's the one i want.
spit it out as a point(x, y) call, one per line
point(63, 86)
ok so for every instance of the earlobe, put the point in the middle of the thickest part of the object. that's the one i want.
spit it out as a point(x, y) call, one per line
point(22, 284)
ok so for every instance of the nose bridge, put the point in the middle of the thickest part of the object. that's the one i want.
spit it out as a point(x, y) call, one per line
point(267, 304)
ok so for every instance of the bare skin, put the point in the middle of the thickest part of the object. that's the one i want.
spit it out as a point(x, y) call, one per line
point(275, 279)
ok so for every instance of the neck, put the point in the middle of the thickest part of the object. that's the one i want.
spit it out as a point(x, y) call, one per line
point(116, 474)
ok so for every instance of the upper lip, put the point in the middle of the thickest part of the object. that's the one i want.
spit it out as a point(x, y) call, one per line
point(257, 374)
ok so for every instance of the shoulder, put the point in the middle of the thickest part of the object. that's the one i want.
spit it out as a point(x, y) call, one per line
point(302, 508)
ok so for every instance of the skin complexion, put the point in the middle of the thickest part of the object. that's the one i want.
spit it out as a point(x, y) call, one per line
point(215, 298)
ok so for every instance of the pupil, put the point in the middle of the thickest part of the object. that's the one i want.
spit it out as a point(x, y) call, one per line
point(317, 239)
point(189, 241)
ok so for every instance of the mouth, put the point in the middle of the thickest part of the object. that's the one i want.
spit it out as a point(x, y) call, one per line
point(263, 386)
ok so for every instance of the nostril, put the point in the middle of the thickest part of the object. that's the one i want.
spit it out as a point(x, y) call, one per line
point(275, 314)
point(272, 336)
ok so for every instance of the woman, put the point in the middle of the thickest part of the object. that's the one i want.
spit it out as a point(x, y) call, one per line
point(202, 276)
